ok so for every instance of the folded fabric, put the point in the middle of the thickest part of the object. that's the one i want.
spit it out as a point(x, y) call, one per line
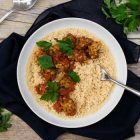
point(118, 125)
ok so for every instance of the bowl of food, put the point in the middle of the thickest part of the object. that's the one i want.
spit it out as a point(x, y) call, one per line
point(58, 72)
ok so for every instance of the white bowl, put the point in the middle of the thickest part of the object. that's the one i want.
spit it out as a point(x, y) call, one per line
point(100, 32)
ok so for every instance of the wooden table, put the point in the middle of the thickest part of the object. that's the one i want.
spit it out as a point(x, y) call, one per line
point(20, 22)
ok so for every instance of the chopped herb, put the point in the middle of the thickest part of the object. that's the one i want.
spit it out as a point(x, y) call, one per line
point(67, 42)
point(52, 86)
point(45, 62)
point(44, 45)
point(65, 49)
point(74, 76)
point(65, 46)
point(69, 52)
point(4, 120)
point(54, 97)
point(51, 93)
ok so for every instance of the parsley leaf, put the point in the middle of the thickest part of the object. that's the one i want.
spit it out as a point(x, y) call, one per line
point(108, 3)
point(52, 92)
point(45, 62)
point(67, 42)
point(119, 13)
point(54, 97)
point(65, 46)
point(133, 4)
point(127, 14)
point(46, 96)
point(4, 120)
point(65, 49)
point(44, 45)
point(74, 76)
point(131, 24)
point(69, 52)
point(52, 86)
point(50, 96)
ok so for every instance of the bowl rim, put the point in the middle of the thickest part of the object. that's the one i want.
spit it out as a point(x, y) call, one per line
point(20, 61)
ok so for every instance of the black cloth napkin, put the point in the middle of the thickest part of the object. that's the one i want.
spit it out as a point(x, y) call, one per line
point(118, 125)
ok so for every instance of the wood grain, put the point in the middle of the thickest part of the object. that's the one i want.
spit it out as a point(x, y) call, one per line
point(20, 22)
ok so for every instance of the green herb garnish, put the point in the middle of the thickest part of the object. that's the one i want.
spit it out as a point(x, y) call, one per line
point(45, 62)
point(4, 120)
point(44, 45)
point(52, 92)
point(127, 14)
point(66, 46)
point(66, 42)
point(74, 76)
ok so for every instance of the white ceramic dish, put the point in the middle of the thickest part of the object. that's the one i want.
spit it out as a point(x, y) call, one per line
point(101, 33)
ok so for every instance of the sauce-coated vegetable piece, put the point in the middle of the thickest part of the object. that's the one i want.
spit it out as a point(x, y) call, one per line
point(48, 75)
point(65, 91)
point(40, 89)
point(68, 105)
point(83, 43)
point(57, 106)
point(78, 56)
point(66, 82)
point(65, 104)
point(93, 49)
